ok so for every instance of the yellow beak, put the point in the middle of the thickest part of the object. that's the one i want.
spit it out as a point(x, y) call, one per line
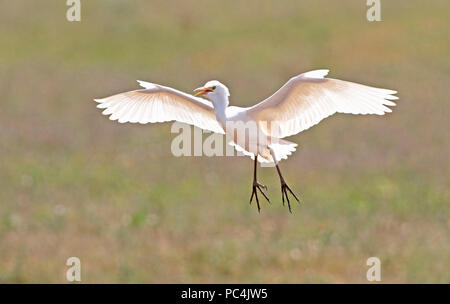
point(202, 91)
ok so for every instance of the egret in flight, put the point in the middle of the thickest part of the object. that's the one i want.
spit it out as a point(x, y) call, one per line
point(299, 104)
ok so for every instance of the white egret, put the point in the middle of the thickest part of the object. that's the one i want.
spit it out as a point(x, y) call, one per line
point(299, 104)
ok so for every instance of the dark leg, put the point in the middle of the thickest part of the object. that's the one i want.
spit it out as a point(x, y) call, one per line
point(258, 186)
point(284, 189)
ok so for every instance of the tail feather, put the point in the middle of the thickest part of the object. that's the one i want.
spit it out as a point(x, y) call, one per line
point(282, 149)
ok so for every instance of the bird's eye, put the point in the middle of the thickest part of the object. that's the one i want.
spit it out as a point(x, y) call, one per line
point(214, 87)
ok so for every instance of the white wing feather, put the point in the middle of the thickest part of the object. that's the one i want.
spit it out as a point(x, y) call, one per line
point(308, 98)
point(157, 103)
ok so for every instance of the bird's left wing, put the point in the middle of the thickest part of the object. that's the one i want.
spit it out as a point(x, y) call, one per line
point(157, 103)
point(309, 97)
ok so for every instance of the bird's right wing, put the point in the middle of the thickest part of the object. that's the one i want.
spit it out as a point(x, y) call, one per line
point(308, 98)
point(157, 103)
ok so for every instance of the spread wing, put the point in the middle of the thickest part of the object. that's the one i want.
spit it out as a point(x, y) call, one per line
point(308, 98)
point(157, 103)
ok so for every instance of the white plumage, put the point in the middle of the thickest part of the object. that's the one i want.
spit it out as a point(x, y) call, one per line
point(299, 104)
point(157, 103)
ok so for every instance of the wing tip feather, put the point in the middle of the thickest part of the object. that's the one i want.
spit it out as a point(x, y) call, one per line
point(146, 85)
point(318, 74)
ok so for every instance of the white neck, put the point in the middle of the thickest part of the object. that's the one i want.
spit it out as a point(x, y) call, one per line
point(220, 104)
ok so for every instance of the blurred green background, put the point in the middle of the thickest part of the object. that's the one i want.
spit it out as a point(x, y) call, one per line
point(73, 183)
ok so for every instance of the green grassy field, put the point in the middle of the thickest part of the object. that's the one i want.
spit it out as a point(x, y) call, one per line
point(73, 183)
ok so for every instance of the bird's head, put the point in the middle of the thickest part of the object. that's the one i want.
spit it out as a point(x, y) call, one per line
point(213, 90)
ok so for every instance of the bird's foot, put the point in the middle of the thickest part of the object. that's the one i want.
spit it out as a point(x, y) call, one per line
point(258, 186)
point(284, 193)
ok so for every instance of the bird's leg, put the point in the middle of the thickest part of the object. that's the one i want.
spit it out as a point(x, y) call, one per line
point(257, 185)
point(284, 189)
